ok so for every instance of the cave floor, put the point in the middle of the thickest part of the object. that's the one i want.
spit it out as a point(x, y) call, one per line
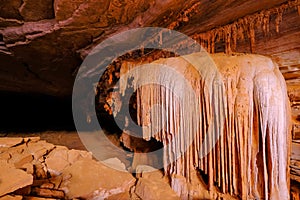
point(72, 140)
point(69, 139)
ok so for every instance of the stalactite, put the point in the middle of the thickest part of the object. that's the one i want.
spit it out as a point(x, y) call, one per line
point(266, 23)
point(246, 26)
point(234, 36)
point(212, 40)
point(252, 36)
point(227, 36)
point(247, 103)
point(278, 19)
point(240, 27)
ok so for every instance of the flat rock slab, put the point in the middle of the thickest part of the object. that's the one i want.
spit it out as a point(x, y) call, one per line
point(10, 142)
point(12, 179)
point(90, 179)
point(151, 190)
point(11, 197)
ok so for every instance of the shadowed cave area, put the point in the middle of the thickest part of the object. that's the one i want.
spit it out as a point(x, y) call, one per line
point(35, 113)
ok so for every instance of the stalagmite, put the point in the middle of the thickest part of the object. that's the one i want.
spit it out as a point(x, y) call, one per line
point(241, 105)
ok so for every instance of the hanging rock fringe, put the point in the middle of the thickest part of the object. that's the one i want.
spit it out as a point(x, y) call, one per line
point(245, 28)
point(244, 100)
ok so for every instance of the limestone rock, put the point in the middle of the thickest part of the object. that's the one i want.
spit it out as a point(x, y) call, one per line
point(39, 148)
point(123, 195)
point(11, 197)
point(80, 25)
point(115, 163)
point(57, 160)
point(87, 178)
point(148, 172)
point(37, 198)
point(12, 179)
point(151, 190)
point(61, 157)
point(9, 142)
point(240, 102)
point(35, 10)
point(44, 192)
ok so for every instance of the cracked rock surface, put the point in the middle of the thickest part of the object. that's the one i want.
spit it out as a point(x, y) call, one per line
point(41, 170)
point(46, 40)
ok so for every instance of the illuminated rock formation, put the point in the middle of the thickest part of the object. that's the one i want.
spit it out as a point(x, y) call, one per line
point(240, 103)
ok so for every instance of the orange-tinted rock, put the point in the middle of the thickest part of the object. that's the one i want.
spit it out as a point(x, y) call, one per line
point(148, 189)
point(10, 142)
point(12, 179)
point(11, 197)
point(87, 178)
point(35, 10)
point(61, 157)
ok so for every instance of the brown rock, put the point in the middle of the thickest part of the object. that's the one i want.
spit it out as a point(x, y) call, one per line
point(37, 198)
point(145, 159)
point(48, 193)
point(34, 10)
point(23, 191)
point(148, 172)
point(115, 163)
point(40, 171)
point(75, 155)
point(61, 157)
point(47, 186)
point(150, 189)
point(31, 139)
point(5, 156)
point(56, 181)
point(57, 160)
point(9, 9)
point(10, 142)
point(123, 195)
point(39, 182)
point(87, 178)
point(81, 12)
point(26, 159)
point(7, 183)
point(28, 167)
point(39, 149)
point(11, 197)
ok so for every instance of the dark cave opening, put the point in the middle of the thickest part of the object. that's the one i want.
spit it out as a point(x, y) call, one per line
point(35, 112)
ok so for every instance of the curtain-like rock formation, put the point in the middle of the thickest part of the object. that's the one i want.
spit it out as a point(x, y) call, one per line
point(234, 127)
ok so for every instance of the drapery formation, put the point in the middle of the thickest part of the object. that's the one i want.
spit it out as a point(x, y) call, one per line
point(228, 117)
point(246, 28)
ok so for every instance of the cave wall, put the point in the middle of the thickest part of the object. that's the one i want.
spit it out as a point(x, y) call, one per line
point(47, 40)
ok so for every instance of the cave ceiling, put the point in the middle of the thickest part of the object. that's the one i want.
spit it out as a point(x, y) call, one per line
point(46, 40)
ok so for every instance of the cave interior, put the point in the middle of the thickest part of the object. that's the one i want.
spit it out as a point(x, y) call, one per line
point(43, 45)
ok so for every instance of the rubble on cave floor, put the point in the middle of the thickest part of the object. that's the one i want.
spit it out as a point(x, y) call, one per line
point(33, 169)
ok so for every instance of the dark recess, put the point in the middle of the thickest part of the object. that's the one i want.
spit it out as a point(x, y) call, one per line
point(32, 113)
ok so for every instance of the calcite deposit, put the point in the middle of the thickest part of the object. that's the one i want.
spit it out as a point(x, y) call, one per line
point(235, 128)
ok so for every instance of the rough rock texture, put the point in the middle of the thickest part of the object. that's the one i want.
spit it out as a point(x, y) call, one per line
point(8, 184)
point(38, 170)
point(48, 39)
point(88, 179)
point(244, 99)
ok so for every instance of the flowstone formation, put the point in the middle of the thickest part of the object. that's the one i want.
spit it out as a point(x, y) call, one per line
point(232, 133)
